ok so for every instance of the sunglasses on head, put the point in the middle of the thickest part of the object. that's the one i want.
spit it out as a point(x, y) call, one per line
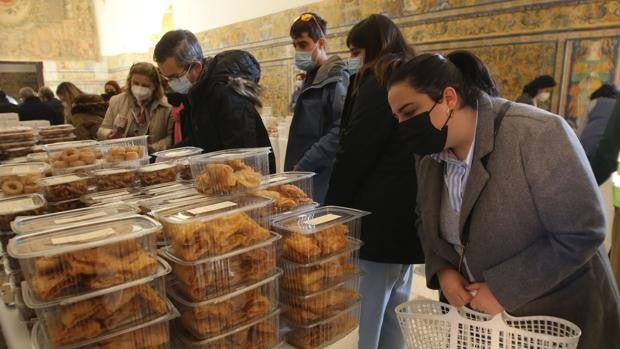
point(307, 17)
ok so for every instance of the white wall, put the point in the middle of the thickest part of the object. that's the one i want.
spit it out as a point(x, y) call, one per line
point(134, 26)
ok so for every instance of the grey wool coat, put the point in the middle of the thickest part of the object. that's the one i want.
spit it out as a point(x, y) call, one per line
point(536, 226)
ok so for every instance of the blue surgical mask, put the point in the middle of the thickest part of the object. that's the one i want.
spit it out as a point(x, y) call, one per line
point(354, 64)
point(180, 85)
point(303, 61)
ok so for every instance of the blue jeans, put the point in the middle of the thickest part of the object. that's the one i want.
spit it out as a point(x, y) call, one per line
point(383, 287)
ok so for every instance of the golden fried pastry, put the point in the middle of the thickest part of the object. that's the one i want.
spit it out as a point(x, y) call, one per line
point(103, 314)
point(152, 337)
point(119, 154)
point(305, 310)
point(225, 178)
point(308, 338)
point(157, 174)
point(114, 179)
point(263, 335)
point(286, 197)
point(306, 280)
point(195, 240)
point(302, 248)
point(63, 188)
point(72, 157)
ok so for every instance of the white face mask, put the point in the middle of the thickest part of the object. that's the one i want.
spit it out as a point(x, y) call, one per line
point(141, 93)
point(180, 85)
point(543, 96)
point(299, 83)
point(354, 64)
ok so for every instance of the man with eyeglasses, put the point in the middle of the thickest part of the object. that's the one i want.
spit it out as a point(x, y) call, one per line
point(222, 93)
point(313, 139)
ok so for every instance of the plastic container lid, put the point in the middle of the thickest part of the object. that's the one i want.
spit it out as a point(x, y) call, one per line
point(178, 153)
point(232, 154)
point(17, 130)
point(111, 171)
point(284, 178)
point(62, 179)
point(136, 139)
point(22, 203)
point(310, 222)
point(157, 167)
point(65, 145)
point(37, 157)
point(24, 169)
point(33, 224)
point(57, 128)
point(106, 196)
point(60, 241)
point(165, 188)
point(211, 209)
point(171, 198)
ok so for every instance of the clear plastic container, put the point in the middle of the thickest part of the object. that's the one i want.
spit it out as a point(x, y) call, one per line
point(305, 310)
point(230, 171)
point(153, 334)
point(62, 206)
point(295, 212)
point(180, 158)
point(73, 156)
point(309, 278)
point(125, 149)
point(68, 262)
point(163, 172)
point(24, 205)
point(5, 236)
point(102, 312)
point(56, 131)
point(318, 233)
point(178, 198)
point(66, 138)
point(17, 134)
point(216, 276)
point(28, 225)
point(260, 334)
point(214, 317)
point(17, 179)
point(214, 227)
point(326, 332)
point(18, 152)
point(8, 146)
point(64, 187)
point(114, 178)
point(37, 157)
point(108, 197)
point(163, 188)
point(289, 190)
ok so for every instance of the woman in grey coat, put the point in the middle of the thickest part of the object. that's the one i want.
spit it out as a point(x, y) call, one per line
point(511, 218)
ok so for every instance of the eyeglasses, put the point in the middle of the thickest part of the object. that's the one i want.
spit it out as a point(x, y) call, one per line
point(307, 17)
point(175, 76)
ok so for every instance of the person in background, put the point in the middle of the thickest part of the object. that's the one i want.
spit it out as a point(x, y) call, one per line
point(33, 109)
point(297, 85)
point(538, 92)
point(5, 105)
point(87, 115)
point(314, 134)
point(601, 104)
point(66, 92)
point(111, 88)
point(141, 110)
point(375, 172)
point(47, 96)
point(510, 216)
point(223, 93)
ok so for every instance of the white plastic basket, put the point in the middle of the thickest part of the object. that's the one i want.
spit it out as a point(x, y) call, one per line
point(436, 325)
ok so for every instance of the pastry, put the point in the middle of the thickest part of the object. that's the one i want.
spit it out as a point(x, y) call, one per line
point(225, 178)
point(306, 248)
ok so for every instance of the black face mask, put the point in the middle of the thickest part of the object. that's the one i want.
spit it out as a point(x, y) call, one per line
point(421, 137)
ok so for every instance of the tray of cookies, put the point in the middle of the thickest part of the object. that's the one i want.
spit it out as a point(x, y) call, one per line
point(28, 225)
point(180, 157)
point(215, 226)
point(114, 178)
point(230, 171)
point(289, 190)
point(124, 149)
point(57, 139)
point(262, 333)
point(22, 205)
point(216, 316)
point(71, 261)
point(316, 234)
point(309, 278)
point(17, 179)
point(305, 310)
point(324, 333)
point(68, 157)
point(56, 131)
point(158, 173)
point(152, 334)
point(64, 187)
point(100, 313)
point(216, 276)
point(17, 134)
point(21, 151)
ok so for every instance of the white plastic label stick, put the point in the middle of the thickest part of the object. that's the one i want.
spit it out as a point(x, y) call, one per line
point(210, 208)
point(323, 219)
point(93, 235)
point(80, 218)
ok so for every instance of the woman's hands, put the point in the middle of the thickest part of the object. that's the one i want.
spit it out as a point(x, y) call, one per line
point(459, 292)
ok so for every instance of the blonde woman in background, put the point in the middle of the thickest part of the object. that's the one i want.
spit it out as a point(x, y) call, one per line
point(141, 110)
point(66, 92)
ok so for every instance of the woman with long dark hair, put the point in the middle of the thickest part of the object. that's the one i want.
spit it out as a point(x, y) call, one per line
point(373, 172)
point(510, 215)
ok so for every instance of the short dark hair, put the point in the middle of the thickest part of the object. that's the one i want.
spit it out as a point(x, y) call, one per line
point(606, 91)
point(316, 27)
point(461, 70)
point(180, 44)
point(543, 81)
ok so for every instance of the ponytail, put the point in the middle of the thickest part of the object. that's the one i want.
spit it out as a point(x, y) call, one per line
point(461, 70)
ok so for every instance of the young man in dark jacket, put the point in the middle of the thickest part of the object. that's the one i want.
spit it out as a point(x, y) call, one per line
point(314, 134)
point(33, 109)
point(223, 93)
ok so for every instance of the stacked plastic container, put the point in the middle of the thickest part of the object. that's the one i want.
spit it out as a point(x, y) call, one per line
point(56, 134)
point(180, 157)
point(16, 142)
point(320, 284)
point(94, 282)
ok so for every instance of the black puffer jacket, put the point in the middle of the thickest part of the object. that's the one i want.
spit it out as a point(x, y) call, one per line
point(223, 105)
